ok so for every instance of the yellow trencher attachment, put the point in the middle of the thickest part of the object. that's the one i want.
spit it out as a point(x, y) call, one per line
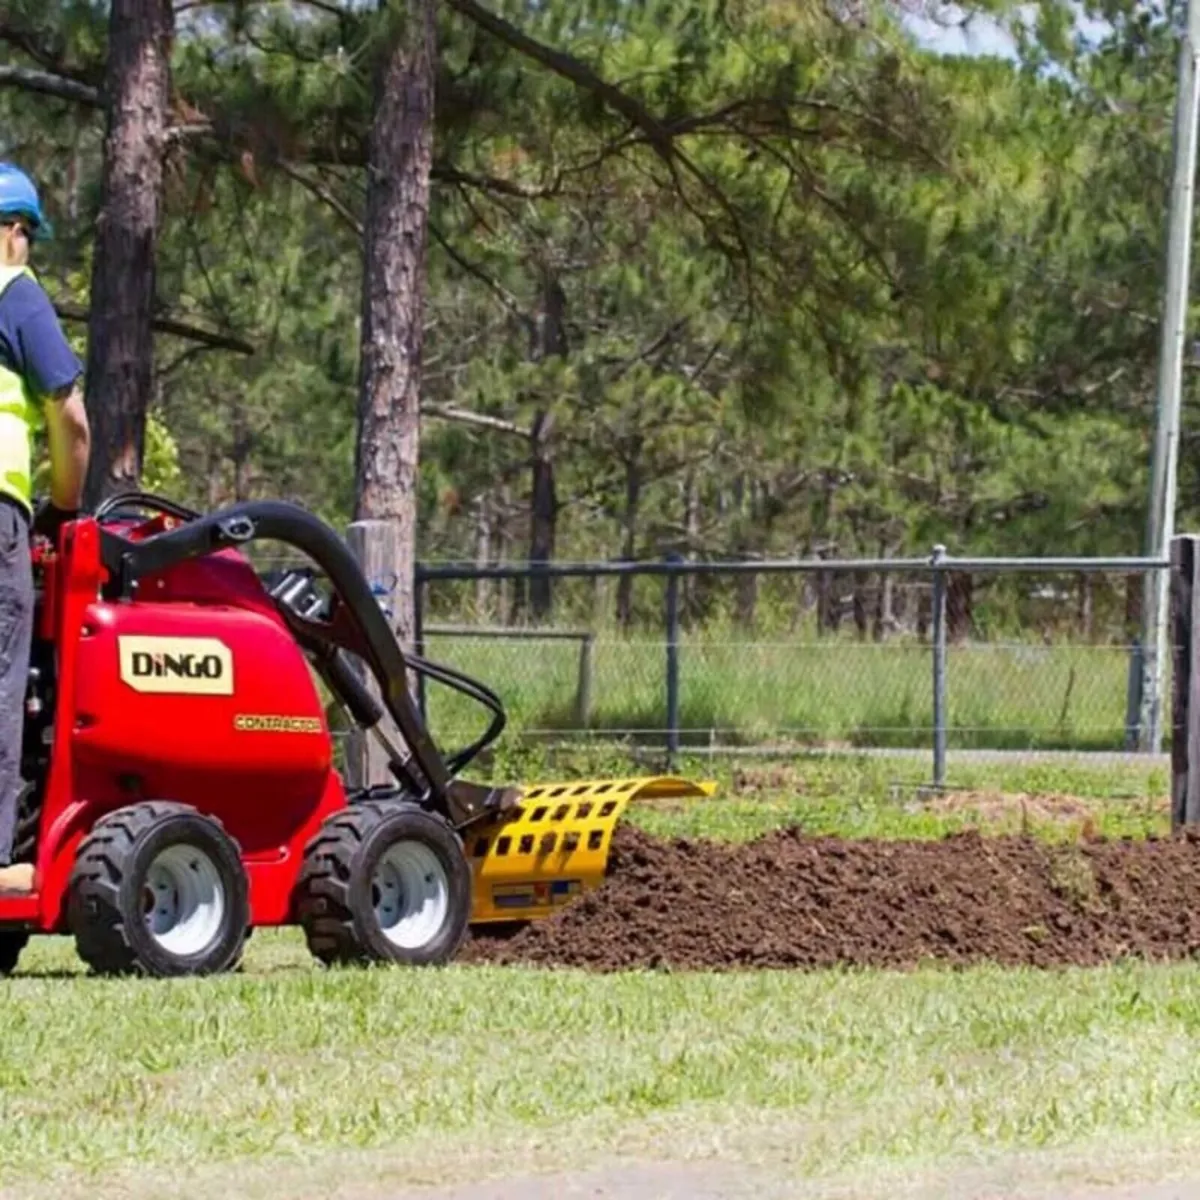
point(553, 846)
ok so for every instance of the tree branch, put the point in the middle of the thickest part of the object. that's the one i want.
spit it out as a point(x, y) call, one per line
point(69, 311)
point(26, 41)
point(570, 68)
point(322, 193)
point(184, 356)
point(657, 134)
point(507, 300)
point(464, 416)
point(46, 83)
point(663, 340)
point(335, 10)
point(491, 183)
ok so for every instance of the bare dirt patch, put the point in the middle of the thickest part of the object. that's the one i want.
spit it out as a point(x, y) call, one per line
point(790, 899)
point(1021, 809)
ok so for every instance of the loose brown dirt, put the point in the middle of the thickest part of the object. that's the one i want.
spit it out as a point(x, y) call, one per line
point(790, 900)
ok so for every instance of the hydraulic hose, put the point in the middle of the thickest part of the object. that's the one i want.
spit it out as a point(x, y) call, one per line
point(281, 521)
point(367, 710)
point(472, 688)
point(144, 500)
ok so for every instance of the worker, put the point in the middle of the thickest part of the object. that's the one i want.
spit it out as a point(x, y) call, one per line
point(40, 376)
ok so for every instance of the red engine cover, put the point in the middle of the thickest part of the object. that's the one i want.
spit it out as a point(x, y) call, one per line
point(194, 691)
point(213, 706)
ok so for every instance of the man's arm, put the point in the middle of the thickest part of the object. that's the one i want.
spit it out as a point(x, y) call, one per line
point(70, 443)
point(43, 356)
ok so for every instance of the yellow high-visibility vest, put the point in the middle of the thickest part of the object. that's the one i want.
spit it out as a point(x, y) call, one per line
point(20, 416)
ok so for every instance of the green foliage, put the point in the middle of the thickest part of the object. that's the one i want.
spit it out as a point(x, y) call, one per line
point(161, 471)
point(870, 299)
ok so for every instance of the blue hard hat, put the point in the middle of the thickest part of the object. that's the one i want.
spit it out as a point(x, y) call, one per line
point(19, 198)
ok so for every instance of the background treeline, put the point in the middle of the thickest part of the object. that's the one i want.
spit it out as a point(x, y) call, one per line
point(722, 278)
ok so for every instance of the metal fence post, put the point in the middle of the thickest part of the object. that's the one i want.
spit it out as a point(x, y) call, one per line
point(1160, 525)
point(1184, 595)
point(672, 630)
point(1133, 696)
point(939, 667)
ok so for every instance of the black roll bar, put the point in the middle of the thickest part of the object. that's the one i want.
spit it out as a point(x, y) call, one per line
point(356, 624)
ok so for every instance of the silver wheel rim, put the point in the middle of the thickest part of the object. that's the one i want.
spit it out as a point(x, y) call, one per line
point(183, 900)
point(410, 894)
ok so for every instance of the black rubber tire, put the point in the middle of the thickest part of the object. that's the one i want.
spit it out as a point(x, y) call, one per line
point(12, 943)
point(334, 890)
point(27, 825)
point(104, 900)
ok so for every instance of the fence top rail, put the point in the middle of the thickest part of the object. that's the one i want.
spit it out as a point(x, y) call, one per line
point(509, 631)
point(676, 567)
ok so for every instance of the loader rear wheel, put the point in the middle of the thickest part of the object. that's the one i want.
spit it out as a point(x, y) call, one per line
point(27, 823)
point(158, 889)
point(12, 942)
point(384, 882)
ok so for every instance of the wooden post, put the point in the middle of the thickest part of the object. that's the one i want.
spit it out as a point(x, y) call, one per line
point(1185, 656)
point(376, 546)
point(583, 691)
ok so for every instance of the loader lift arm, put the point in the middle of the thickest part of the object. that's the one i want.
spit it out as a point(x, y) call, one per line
point(354, 623)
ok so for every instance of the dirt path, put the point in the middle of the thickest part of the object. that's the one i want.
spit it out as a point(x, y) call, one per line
point(663, 1181)
point(1108, 1172)
point(650, 1181)
point(1022, 1179)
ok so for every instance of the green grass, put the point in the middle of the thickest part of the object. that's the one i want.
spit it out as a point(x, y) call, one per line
point(737, 689)
point(854, 795)
point(288, 1076)
point(286, 1063)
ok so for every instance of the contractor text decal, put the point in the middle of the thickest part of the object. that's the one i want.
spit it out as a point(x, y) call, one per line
point(276, 723)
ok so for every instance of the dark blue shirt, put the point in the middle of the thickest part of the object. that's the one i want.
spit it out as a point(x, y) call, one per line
point(32, 342)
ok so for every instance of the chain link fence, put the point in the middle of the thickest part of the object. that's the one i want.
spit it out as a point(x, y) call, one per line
point(938, 656)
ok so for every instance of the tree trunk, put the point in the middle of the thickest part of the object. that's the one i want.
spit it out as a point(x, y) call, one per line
point(746, 602)
point(960, 605)
point(691, 525)
point(120, 353)
point(860, 605)
point(394, 246)
point(214, 480)
point(543, 514)
point(74, 182)
point(242, 449)
point(1086, 615)
point(551, 340)
point(633, 492)
point(483, 555)
point(504, 590)
point(1133, 606)
point(883, 620)
point(829, 616)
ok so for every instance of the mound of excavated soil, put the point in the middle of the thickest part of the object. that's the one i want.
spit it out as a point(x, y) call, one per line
point(793, 900)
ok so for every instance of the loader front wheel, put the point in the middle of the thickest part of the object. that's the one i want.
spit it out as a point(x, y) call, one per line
point(384, 882)
point(158, 889)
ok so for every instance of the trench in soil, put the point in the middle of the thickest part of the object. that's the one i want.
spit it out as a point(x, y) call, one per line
point(791, 899)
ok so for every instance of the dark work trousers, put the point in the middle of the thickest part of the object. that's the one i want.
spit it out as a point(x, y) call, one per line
point(16, 630)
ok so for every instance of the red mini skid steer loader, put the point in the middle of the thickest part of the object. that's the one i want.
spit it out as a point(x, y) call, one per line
point(180, 776)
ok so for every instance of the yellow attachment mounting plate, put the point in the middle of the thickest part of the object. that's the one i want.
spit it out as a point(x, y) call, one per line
point(553, 845)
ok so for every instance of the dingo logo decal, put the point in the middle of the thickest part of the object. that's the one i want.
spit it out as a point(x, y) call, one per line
point(188, 666)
